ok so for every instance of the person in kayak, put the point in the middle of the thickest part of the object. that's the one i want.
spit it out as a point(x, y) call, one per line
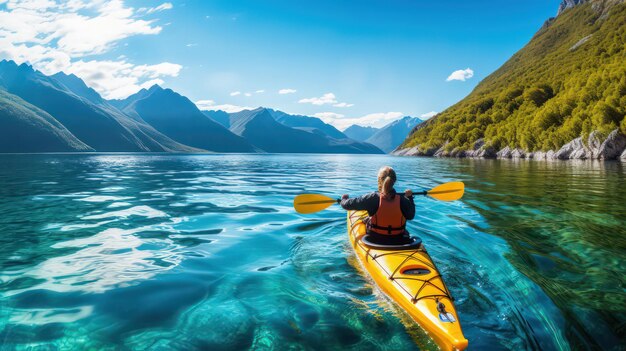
point(388, 211)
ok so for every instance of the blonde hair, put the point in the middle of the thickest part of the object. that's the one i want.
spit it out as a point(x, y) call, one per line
point(386, 180)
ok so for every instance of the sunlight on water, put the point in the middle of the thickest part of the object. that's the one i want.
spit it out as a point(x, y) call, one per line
point(205, 252)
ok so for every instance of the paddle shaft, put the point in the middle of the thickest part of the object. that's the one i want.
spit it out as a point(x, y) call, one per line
point(311, 203)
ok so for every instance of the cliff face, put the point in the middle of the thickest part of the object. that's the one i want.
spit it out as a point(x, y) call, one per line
point(557, 97)
point(567, 4)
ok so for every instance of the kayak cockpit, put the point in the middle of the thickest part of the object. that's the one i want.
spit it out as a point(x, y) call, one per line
point(413, 244)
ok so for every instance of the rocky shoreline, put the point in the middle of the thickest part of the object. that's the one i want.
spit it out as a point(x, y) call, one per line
point(613, 147)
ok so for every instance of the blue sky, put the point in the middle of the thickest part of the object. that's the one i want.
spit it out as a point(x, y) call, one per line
point(348, 61)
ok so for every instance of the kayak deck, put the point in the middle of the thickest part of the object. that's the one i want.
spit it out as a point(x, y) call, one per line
point(411, 279)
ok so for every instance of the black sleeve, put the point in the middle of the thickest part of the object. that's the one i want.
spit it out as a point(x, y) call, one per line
point(367, 202)
point(408, 207)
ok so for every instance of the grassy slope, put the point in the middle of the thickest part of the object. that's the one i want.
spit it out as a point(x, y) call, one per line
point(547, 94)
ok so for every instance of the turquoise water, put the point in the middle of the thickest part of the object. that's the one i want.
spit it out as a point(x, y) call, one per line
point(155, 252)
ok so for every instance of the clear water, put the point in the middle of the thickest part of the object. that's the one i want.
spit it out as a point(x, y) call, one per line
point(154, 252)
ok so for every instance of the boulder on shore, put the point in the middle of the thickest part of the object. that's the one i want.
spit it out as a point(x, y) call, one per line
point(431, 151)
point(481, 150)
point(504, 153)
point(574, 147)
point(612, 147)
point(518, 153)
point(441, 152)
point(457, 152)
point(411, 151)
point(594, 143)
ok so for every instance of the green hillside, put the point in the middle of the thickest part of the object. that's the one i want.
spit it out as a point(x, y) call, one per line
point(568, 81)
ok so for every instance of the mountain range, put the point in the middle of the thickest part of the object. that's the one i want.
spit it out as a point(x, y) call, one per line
point(386, 138)
point(178, 118)
point(60, 113)
point(358, 132)
point(561, 96)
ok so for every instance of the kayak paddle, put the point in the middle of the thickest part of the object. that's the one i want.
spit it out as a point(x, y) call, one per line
point(311, 203)
point(446, 192)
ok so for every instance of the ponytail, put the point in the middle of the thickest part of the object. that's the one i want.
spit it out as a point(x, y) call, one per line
point(386, 180)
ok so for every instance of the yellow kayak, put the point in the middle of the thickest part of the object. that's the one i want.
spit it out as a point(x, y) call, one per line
point(410, 279)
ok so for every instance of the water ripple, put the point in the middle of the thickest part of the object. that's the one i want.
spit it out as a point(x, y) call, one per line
point(205, 252)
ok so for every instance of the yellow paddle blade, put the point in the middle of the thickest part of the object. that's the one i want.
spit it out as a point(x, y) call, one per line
point(311, 203)
point(447, 191)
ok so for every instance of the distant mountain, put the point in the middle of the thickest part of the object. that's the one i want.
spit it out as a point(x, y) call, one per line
point(393, 134)
point(152, 139)
point(177, 117)
point(306, 123)
point(26, 128)
point(219, 116)
point(262, 130)
point(77, 86)
point(82, 111)
point(122, 103)
point(359, 133)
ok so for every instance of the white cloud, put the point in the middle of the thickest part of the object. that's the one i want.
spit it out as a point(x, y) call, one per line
point(210, 105)
point(260, 91)
point(247, 94)
point(190, 45)
point(205, 104)
point(372, 120)
point(68, 36)
point(462, 75)
point(231, 108)
point(286, 91)
point(328, 98)
point(328, 115)
point(429, 115)
point(119, 79)
point(162, 7)
point(235, 93)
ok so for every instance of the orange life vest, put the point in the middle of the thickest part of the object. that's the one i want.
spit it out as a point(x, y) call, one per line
point(388, 220)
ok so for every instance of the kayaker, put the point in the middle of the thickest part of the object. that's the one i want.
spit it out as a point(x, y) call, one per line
point(388, 211)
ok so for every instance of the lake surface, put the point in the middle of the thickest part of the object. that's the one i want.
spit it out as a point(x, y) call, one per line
point(154, 252)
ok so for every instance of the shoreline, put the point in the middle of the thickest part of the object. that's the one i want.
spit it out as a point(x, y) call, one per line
point(612, 148)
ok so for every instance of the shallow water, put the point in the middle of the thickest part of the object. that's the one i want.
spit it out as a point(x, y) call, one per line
point(152, 252)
